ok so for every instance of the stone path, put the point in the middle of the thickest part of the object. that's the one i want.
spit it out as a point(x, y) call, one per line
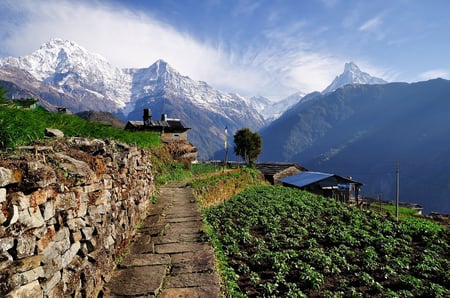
point(170, 256)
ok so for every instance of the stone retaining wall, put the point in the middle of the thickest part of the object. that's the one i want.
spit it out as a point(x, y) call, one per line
point(68, 209)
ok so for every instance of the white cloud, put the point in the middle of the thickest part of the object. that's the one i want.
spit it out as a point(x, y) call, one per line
point(434, 73)
point(277, 67)
point(245, 7)
point(372, 24)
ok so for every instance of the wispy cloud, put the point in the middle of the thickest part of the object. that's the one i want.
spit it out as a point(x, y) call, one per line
point(282, 63)
point(245, 7)
point(371, 25)
point(434, 73)
point(330, 3)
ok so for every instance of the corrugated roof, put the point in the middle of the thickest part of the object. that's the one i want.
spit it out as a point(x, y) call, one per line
point(305, 178)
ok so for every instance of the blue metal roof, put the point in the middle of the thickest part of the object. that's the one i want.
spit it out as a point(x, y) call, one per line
point(305, 178)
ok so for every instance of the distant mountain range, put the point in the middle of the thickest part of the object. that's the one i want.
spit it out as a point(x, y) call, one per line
point(362, 130)
point(66, 75)
point(359, 125)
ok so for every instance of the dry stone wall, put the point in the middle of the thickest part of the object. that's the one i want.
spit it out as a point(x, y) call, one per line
point(68, 209)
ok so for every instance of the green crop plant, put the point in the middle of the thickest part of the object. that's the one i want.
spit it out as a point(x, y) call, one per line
point(283, 242)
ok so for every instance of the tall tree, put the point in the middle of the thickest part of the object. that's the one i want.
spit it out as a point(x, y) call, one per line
point(247, 144)
point(3, 98)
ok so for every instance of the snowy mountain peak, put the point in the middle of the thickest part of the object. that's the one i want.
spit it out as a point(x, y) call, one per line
point(351, 67)
point(161, 68)
point(352, 75)
point(67, 67)
point(60, 56)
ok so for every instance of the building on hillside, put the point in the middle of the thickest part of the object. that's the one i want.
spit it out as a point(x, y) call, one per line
point(327, 185)
point(173, 133)
point(170, 129)
point(26, 103)
point(273, 171)
point(62, 110)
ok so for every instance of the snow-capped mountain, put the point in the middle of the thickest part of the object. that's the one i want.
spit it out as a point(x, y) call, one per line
point(69, 67)
point(273, 110)
point(352, 75)
point(79, 81)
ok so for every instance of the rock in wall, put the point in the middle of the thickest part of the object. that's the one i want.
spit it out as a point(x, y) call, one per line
point(68, 209)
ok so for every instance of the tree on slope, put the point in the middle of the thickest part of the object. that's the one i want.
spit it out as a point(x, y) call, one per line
point(3, 98)
point(247, 144)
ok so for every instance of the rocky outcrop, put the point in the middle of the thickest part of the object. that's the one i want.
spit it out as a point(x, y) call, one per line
point(68, 210)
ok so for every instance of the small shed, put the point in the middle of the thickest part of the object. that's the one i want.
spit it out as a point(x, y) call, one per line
point(26, 103)
point(327, 185)
point(170, 129)
point(273, 171)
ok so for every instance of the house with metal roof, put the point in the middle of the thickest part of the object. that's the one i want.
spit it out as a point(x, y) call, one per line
point(170, 129)
point(327, 185)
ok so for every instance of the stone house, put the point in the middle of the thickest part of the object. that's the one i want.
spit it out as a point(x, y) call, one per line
point(273, 171)
point(173, 134)
point(169, 129)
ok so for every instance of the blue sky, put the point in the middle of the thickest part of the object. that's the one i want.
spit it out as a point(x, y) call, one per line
point(271, 48)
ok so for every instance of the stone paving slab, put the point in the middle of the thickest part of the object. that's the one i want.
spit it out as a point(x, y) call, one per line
point(191, 237)
point(193, 267)
point(192, 256)
point(177, 219)
point(136, 260)
point(143, 280)
point(199, 292)
point(143, 248)
point(171, 248)
point(182, 231)
point(188, 280)
point(186, 224)
point(154, 230)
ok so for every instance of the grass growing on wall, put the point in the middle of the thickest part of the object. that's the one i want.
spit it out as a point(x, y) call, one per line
point(21, 127)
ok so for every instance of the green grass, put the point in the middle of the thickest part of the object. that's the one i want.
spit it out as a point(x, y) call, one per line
point(402, 211)
point(221, 185)
point(204, 168)
point(20, 127)
point(177, 171)
point(170, 172)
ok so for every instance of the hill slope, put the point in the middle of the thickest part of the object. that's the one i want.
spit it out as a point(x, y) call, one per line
point(362, 130)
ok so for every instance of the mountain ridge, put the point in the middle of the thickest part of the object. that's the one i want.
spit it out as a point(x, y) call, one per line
point(83, 81)
point(352, 132)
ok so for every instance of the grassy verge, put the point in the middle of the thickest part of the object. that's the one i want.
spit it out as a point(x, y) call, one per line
point(403, 212)
point(215, 188)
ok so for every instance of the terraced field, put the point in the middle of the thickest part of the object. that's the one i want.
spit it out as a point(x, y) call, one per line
point(282, 242)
